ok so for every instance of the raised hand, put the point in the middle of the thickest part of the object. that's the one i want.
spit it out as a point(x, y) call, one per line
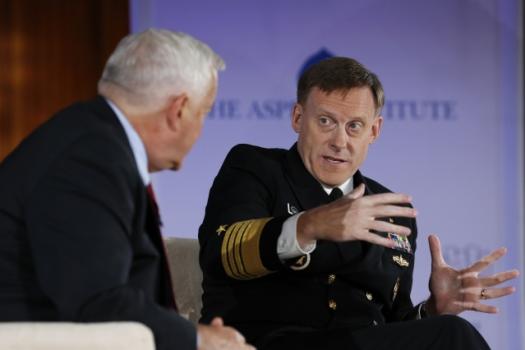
point(454, 291)
point(353, 217)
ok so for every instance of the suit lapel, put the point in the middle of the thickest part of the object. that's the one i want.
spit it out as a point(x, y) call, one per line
point(151, 219)
point(101, 109)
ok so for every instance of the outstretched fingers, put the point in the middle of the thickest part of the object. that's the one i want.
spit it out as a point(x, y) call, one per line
point(383, 226)
point(383, 211)
point(388, 198)
point(477, 306)
point(378, 240)
point(487, 260)
point(499, 278)
point(436, 254)
point(471, 293)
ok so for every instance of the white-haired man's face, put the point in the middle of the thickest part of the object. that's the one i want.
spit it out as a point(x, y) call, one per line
point(178, 129)
point(192, 123)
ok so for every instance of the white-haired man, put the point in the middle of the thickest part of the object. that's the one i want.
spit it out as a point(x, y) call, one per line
point(80, 238)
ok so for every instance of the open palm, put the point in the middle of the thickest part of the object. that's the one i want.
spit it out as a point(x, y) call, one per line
point(454, 291)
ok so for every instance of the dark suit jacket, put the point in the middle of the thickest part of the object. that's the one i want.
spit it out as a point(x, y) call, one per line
point(77, 240)
point(352, 284)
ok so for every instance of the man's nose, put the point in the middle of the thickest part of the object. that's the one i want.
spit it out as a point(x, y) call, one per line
point(338, 138)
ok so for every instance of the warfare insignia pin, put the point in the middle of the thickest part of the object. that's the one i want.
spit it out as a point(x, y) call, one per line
point(398, 259)
point(221, 229)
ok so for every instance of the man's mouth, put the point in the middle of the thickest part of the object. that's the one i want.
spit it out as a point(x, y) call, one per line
point(334, 160)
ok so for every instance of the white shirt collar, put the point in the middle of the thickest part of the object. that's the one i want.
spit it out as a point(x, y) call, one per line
point(137, 146)
point(346, 186)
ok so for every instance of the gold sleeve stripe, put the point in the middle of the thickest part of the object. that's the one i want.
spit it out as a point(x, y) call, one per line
point(250, 248)
point(229, 240)
point(241, 268)
point(228, 249)
point(240, 252)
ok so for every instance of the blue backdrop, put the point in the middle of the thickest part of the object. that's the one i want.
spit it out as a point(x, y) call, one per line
point(452, 136)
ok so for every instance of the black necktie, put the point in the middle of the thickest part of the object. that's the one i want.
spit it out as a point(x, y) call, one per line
point(335, 194)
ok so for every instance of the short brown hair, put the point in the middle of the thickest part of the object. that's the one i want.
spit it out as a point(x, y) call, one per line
point(339, 74)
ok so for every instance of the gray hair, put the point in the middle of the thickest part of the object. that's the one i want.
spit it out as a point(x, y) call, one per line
point(153, 65)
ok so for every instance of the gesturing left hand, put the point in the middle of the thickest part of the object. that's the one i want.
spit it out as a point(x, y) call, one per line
point(454, 291)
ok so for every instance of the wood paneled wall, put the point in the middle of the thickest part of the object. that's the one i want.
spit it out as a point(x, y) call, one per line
point(52, 53)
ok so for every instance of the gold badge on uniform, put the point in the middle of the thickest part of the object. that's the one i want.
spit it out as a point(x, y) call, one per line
point(395, 290)
point(398, 259)
point(221, 229)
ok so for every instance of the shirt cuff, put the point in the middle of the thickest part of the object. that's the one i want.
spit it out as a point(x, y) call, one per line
point(287, 245)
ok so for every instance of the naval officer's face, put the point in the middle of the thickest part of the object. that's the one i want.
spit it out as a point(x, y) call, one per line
point(335, 131)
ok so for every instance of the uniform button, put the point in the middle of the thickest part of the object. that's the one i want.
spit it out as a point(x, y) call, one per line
point(331, 279)
point(369, 296)
point(332, 304)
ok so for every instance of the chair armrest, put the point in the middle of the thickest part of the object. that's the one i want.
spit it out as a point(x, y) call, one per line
point(75, 336)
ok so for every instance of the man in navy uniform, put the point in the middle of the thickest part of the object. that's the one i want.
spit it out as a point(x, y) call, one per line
point(79, 236)
point(302, 251)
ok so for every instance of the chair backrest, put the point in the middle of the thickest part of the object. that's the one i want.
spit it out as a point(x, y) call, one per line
point(186, 275)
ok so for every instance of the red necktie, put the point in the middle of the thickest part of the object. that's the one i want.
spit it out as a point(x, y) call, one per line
point(156, 236)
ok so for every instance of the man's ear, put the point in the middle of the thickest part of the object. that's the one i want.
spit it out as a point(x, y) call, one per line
point(297, 117)
point(376, 128)
point(176, 108)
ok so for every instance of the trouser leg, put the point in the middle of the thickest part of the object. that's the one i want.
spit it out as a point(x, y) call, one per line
point(434, 333)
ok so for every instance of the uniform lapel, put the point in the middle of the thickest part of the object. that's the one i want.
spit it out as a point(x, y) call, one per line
point(307, 190)
point(359, 179)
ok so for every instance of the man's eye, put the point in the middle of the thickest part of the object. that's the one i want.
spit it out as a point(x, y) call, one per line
point(325, 121)
point(354, 126)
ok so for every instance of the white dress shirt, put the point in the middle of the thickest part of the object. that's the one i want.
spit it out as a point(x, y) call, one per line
point(137, 146)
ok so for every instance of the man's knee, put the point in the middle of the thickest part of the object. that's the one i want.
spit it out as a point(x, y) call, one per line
point(462, 333)
point(456, 323)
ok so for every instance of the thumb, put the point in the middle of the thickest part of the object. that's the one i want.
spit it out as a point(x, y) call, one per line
point(435, 251)
point(357, 192)
point(217, 322)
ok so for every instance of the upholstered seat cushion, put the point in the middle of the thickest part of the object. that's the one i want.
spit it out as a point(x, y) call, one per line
point(186, 275)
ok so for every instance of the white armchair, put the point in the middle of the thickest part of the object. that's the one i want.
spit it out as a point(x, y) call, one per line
point(75, 336)
point(186, 276)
